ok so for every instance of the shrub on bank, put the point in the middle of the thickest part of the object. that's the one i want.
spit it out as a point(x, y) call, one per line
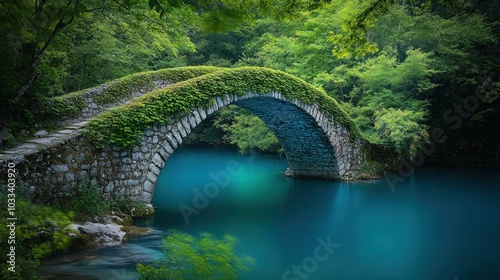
point(39, 232)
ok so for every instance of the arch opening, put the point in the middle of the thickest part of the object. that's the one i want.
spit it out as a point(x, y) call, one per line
point(308, 147)
point(308, 150)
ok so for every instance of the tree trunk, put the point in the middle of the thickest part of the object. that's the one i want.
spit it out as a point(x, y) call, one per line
point(31, 76)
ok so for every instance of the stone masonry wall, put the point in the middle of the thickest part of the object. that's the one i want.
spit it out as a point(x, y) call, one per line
point(315, 146)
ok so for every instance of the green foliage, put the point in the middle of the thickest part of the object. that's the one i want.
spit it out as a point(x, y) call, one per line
point(248, 131)
point(370, 54)
point(87, 202)
point(191, 257)
point(389, 54)
point(71, 104)
point(252, 133)
point(124, 125)
point(40, 231)
point(233, 125)
point(350, 38)
point(402, 130)
point(9, 141)
point(122, 87)
point(358, 19)
point(99, 48)
point(52, 47)
point(136, 209)
point(382, 90)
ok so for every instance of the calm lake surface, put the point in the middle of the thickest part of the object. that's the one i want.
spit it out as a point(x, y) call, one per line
point(438, 224)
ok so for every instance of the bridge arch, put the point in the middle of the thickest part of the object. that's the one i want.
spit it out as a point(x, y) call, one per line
point(124, 148)
point(318, 137)
point(314, 145)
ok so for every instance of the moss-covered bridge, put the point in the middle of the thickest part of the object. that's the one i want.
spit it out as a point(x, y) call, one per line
point(119, 135)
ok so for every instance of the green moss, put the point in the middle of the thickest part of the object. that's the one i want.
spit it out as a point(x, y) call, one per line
point(72, 104)
point(122, 87)
point(124, 125)
point(69, 105)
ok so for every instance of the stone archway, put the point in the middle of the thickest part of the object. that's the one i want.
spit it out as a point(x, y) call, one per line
point(315, 146)
point(318, 137)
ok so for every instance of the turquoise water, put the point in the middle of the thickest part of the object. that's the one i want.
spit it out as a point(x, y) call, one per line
point(438, 224)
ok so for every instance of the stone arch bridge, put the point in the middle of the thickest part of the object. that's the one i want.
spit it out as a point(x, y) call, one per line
point(121, 134)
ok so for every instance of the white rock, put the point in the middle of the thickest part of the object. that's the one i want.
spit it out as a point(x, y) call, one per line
point(106, 235)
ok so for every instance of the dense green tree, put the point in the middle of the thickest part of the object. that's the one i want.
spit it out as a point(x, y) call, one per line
point(402, 129)
point(100, 48)
point(29, 29)
point(382, 83)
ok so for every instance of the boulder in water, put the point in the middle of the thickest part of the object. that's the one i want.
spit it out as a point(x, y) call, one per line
point(102, 234)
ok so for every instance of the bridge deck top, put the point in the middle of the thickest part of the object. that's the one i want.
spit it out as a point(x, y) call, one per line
point(37, 144)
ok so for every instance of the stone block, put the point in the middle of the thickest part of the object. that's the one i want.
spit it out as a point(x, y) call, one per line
point(154, 169)
point(181, 130)
point(202, 113)
point(211, 110)
point(149, 186)
point(167, 147)
point(85, 166)
point(192, 120)
point(147, 197)
point(163, 154)
point(177, 136)
point(158, 161)
point(119, 191)
point(151, 176)
point(125, 168)
point(137, 156)
point(171, 139)
point(70, 177)
point(135, 191)
point(60, 168)
point(136, 174)
point(109, 187)
point(81, 175)
point(186, 124)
